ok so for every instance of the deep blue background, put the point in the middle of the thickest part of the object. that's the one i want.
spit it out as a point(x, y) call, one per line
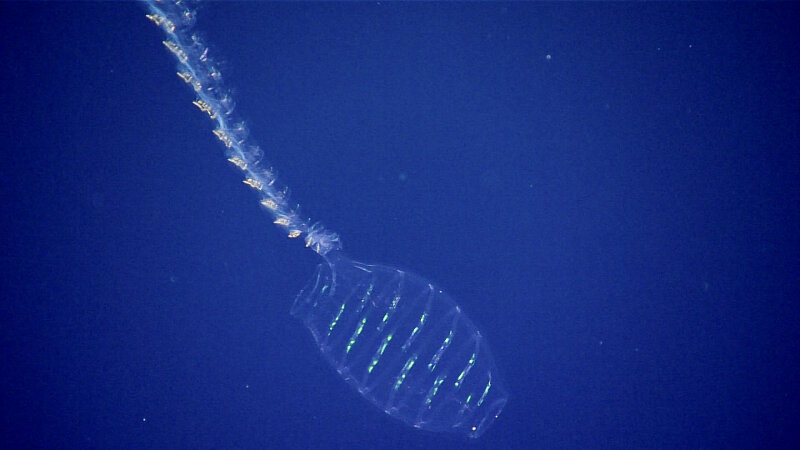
point(621, 219)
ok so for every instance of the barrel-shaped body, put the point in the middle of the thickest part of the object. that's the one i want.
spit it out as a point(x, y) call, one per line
point(404, 344)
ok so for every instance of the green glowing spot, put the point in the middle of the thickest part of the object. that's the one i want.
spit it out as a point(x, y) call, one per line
point(378, 354)
point(469, 397)
point(355, 335)
point(485, 391)
point(389, 313)
point(322, 294)
point(415, 331)
point(440, 352)
point(335, 319)
point(466, 370)
point(404, 372)
point(434, 389)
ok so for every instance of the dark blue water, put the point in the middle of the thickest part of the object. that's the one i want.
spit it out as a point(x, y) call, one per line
point(620, 218)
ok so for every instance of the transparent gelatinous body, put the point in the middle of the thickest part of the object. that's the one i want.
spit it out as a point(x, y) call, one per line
point(403, 344)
